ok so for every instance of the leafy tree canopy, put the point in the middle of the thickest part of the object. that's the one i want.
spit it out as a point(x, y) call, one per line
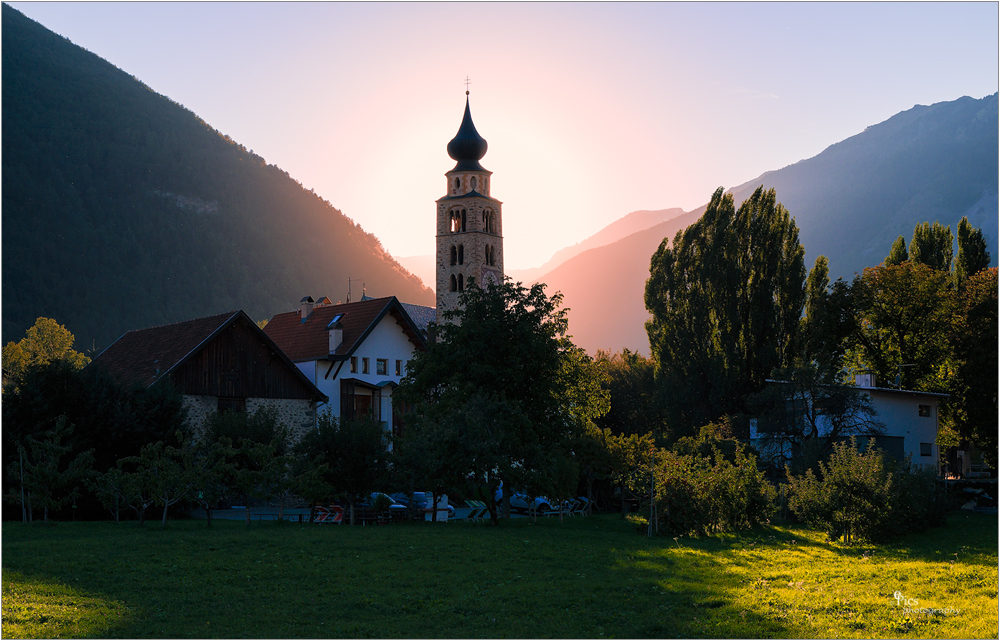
point(932, 245)
point(44, 342)
point(972, 253)
point(898, 253)
point(504, 387)
point(725, 299)
point(904, 315)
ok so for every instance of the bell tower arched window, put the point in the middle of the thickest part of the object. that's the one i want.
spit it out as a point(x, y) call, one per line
point(458, 218)
point(454, 255)
point(461, 283)
point(461, 254)
point(473, 182)
point(454, 283)
point(488, 226)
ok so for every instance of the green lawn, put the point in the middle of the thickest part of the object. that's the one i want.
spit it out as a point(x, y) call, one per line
point(589, 577)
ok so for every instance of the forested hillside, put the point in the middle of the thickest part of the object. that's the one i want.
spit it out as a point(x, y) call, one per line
point(122, 209)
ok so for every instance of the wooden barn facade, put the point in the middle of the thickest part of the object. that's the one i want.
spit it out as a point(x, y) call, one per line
point(222, 362)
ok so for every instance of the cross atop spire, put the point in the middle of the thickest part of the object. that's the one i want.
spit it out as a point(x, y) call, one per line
point(467, 81)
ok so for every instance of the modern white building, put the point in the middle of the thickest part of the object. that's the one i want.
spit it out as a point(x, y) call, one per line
point(355, 353)
point(908, 425)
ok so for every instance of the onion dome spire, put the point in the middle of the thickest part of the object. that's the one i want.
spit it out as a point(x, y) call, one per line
point(467, 147)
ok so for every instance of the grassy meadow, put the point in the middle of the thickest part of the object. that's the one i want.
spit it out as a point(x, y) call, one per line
point(589, 577)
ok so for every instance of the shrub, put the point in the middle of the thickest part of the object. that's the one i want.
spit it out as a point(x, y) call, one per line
point(706, 494)
point(864, 496)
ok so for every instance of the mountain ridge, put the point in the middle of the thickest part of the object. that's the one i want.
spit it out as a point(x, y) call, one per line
point(934, 162)
point(123, 209)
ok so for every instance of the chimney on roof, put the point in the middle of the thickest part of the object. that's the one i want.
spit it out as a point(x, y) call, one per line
point(336, 331)
point(306, 307)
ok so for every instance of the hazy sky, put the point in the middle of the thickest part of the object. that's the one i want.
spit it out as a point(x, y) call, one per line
point(591, 110)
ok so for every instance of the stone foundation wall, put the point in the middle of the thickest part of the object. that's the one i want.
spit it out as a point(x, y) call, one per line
point(198, 409)
point(299, 416)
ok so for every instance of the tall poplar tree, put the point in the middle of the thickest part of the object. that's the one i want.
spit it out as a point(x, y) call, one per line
point(932, 245)
point(972, 253)
point(725, 298)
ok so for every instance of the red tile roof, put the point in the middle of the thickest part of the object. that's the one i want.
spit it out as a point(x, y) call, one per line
point(144, 355)
point(310, 340)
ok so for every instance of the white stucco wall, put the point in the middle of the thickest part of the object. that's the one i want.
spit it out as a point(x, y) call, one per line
point(386, 341)
point(900, 413)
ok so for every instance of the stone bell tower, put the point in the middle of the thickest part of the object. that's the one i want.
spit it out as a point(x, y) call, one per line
point(469, 229)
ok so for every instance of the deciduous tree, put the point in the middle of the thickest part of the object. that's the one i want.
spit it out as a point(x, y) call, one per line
point(932, 245)
point(504, 385)
point(898, 253)
point(725, 298)
point(352, 456)
point(972, 253)
point(44, 342)
point(903, 317)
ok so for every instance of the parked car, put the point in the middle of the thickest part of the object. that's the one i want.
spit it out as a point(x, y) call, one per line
point(519, 502)
point(395, 507)
point(421, 501)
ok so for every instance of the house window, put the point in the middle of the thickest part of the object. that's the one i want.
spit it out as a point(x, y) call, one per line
point(924, 410)
point(380, 366)
point(925, 449)
point(354, 365)
point(364, 365)
point(232, 405)
point(399, 368)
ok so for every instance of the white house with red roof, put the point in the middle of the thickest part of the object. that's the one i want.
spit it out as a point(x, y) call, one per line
point(355, 353)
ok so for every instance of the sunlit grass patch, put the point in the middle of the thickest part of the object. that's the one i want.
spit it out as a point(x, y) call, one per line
point(591, 577)
point(36, 609)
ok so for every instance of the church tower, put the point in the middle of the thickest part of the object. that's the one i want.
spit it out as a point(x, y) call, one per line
point(469, 229)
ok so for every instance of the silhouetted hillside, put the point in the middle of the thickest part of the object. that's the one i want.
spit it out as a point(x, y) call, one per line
point(624, 226)
point(850, 203)
point(122, 209)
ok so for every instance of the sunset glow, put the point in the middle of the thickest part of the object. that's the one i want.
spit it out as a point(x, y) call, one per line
point(590, 110)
